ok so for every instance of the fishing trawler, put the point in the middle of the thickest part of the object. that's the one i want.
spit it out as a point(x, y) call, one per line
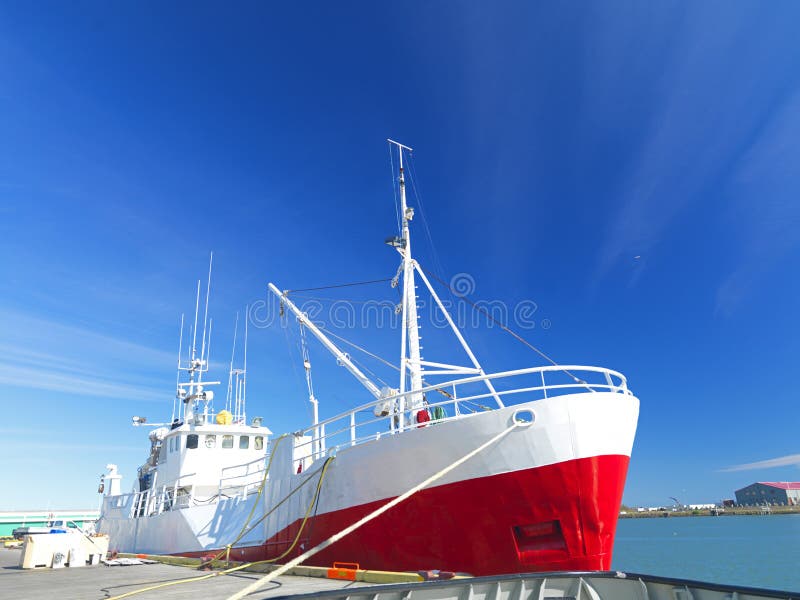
point(543, 493)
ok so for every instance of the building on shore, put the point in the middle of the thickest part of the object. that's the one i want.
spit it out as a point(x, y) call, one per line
point(9, 521)
point(769, 492)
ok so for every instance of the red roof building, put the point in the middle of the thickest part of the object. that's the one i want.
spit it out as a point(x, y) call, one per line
point(769, 492)
point(783, 485)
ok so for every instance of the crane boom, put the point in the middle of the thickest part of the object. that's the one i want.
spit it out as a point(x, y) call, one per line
point(343, 359)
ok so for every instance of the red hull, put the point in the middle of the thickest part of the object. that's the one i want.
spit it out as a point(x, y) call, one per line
point(555, 518)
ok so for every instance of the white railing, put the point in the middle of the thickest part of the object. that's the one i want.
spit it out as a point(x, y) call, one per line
point(241, 479)
point(154, 500)
point(181, 492)
point(458, 399)
point(117, 503)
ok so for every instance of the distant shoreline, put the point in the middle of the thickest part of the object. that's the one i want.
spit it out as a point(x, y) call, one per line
point(717, 512)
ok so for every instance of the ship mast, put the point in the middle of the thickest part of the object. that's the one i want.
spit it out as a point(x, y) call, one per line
point(237, 377)
point(409, 398)
point(192, 392)
point(410, 360)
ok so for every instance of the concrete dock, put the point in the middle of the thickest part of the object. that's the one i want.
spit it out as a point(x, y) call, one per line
point(98, 582)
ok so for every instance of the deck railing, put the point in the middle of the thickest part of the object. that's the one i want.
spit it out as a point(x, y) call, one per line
point(242, 479)
point(155, 500)
point(455, 399)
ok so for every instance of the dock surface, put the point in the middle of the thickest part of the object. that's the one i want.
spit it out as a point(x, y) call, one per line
point(98, 582)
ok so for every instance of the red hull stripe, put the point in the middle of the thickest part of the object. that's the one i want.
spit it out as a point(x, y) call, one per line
point(553, 518)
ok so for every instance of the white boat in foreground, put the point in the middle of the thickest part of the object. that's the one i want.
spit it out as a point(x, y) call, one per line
point(544, 497)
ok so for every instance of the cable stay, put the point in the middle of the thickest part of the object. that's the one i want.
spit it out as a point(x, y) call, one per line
point(408, 400)
point(339, 285)
point(415, 186)
point(341, 357)
point(395, 367)
point(504, 327)
point(364, 350)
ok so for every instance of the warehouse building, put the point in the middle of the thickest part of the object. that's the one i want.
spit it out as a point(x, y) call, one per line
point(770, 492)
point(9, 521)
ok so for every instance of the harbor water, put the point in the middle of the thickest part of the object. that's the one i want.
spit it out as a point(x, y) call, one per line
point(757, 551)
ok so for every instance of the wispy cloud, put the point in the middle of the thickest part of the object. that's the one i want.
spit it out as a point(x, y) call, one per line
point(41, 354)
point(69, 446)
point(765, 203)
point(34, 334)
point(45, 379)
point(782, 461)
point(676, 158)
point(695, 141)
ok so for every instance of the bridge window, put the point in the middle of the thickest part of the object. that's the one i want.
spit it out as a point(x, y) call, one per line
point(191, 441)
point(259, 443)
point(211, 441)
point(244, 442)
point(227, 441)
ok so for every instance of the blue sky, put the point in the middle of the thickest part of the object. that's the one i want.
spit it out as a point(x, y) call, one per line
point(554, 144)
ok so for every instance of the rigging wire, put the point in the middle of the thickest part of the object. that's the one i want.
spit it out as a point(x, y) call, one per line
point(505, 328)
point(369, 371)
point(340, 285)
point(292, 361)
point(385, 362)
point(372, 355)
point(413, 177)
point(368, 353)
point(332, 299)
point(364, 350)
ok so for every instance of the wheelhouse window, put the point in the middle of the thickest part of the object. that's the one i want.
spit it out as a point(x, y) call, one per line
point(211, 441)
point(259, 443)
point(227, 441)
point(244, 442)
point(191, 441)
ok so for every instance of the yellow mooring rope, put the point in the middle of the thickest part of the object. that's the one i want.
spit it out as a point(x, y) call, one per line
point(374, 514)
point(242, 532)
point(323, 471)
point(331, 540)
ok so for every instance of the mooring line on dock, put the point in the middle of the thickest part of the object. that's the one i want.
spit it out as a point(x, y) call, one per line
point(246, 565)
point(374, 514)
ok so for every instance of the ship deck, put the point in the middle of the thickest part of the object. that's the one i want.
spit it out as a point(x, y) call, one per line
point(97, 582)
